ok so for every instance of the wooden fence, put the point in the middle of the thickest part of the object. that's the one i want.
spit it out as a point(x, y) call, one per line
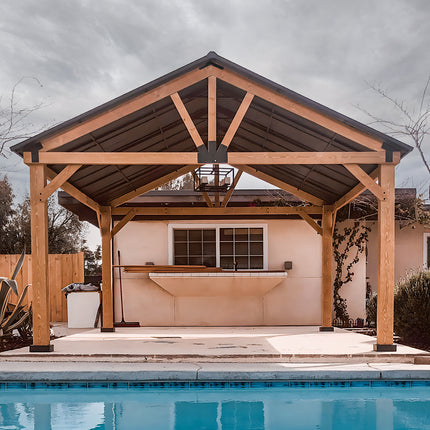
point(63, 269)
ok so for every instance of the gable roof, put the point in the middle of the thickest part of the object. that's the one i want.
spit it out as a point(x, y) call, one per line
point(158, 127)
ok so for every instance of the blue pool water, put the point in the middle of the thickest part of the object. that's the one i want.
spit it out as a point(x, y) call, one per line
point(216, 406)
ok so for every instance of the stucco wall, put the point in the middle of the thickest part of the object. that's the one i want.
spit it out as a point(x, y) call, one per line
point(296, 300)
point(354, 291)
point(409, 256)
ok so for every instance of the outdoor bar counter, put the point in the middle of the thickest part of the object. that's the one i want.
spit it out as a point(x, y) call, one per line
point(203, 281)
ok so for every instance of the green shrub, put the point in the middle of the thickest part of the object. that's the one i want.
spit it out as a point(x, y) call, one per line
point(412, 308)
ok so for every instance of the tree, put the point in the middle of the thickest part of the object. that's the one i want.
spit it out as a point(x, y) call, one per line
point(6, 200)
point(184, 182)
point(65, 231)
point(413, 121)
point(14, 119)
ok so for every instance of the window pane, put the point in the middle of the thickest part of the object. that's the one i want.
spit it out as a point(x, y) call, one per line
point(209, 260)
point(256, 248)
point(209, 235)
point(180, 249)
point(226, 234)
point(256, 234)
point(209, 248)
point(180, 235)
point(241, 248)
point(195, 235)
point(227, 262)
point(196, 261)
point(226, 248)
point(181, 261)
point(256, 263)
point(242, 263)
point(241, 234)
point(195, 248)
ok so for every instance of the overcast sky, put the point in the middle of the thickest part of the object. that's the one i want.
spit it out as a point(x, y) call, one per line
point(86, 52)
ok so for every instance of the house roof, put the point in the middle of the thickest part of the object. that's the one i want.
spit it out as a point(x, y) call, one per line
point(357, 209)
point(158, 127)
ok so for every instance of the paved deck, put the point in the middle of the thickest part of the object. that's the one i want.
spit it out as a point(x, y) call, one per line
point(215, 344)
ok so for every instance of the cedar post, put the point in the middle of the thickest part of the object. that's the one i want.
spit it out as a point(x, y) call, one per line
point(39, 252)
point(105, 229)
point(327, 268)
point(386, 231)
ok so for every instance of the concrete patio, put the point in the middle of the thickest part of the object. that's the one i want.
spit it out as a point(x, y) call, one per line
point(299, 344)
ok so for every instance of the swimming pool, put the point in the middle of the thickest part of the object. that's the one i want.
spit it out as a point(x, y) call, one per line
point(221, 405)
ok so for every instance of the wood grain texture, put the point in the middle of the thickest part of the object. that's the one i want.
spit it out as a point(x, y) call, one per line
point(386, 231)
point(366, 180)
point(39, 251)
point(105, 218)
point(327, 267)
point(218, 211)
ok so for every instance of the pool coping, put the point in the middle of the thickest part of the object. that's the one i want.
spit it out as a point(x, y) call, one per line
point(125, 372)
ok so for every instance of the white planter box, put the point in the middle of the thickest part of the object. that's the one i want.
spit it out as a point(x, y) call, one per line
point(82, 308)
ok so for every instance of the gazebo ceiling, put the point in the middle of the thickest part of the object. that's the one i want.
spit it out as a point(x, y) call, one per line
point(158, 127)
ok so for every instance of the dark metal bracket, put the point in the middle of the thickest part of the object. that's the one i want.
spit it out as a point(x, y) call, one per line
point(212, 154)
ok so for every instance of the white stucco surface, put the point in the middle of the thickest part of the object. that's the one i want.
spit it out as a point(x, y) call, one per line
point(296, 300)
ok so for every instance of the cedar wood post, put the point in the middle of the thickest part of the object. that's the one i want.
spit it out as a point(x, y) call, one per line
point(327, 267)
point(105, 229)
point(386, 232)
point(39, 268)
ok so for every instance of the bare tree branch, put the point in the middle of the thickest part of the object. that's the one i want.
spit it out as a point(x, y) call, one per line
point(14, 120)
point(413, 124)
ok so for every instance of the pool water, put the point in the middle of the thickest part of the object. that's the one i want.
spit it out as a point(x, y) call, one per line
point(215, 406)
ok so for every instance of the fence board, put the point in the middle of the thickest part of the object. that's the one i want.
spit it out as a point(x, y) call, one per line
point(63, 269)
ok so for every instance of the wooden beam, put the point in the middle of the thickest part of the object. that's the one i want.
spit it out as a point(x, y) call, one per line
point(355, 192)
point(327, 268)
point(125, 108)
point(106, 219)
point(219, 211)
point(291, 105)
point(115, 158)
point(39, 253)
point(151, 185)
point(311, 222)
point(234, 158)
point(74, 192)
point(212, 128)
point(59, 180)
point(234, 125)
point(307, 158)
point(182, 110)
point(230, 191)
point(385, 312)
point(366, 180)
point(282, 185)
point(128, 217)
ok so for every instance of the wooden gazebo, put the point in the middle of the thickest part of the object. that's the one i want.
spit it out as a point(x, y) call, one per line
point(212, 111)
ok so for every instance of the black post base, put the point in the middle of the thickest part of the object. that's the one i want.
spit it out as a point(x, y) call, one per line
point(384, 348)
point(326, 328)
point(41, 348)
point(107, 329)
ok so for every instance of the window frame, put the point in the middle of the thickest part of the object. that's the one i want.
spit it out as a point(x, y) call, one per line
point(426, 237)
point(217, 227)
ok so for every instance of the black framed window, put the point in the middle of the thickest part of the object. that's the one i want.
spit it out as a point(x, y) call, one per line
point(195, 247)
point(241, 247)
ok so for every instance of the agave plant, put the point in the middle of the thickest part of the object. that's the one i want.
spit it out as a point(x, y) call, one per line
point(17, 318)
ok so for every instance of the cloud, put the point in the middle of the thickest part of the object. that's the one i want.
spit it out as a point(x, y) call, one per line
point(87, 52)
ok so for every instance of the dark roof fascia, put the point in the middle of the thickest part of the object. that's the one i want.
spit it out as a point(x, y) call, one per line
point(214, 59)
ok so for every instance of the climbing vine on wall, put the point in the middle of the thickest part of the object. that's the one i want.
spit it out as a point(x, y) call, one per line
point(348, 244)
